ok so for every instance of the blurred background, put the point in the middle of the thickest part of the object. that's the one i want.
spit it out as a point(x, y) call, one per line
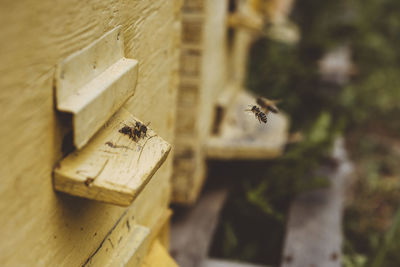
point(339, 80)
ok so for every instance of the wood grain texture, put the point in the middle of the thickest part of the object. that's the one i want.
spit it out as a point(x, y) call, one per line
point(38, 225)
point(93, 83)
point(243, 137)
point(123, 247)
point(112, 168)
point(127, 243)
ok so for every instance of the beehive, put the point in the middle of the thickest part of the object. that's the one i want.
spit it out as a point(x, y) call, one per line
point(73, 75)
point(216, 39)
point(43, 227)
point(203, 75)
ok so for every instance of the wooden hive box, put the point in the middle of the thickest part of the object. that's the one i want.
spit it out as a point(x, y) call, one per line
point(216, 39)
point(203, 73)
point(63, 76)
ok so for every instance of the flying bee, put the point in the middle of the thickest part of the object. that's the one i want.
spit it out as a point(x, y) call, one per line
point(267, 105)
point(261, 116)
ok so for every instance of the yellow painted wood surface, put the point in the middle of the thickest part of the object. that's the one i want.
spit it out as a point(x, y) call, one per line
point(39, 226)
point(158, 256)
point(127, 242)
point(122, 247)
point(112, 168)
point(160, 230)
point(93, 83)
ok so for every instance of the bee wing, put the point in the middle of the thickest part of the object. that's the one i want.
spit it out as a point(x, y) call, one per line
point(261, 102)
point(268, 105)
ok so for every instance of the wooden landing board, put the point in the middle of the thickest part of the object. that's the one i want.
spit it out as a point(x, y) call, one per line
point(243, 137)
point(112, 168)
point(93, 83)
point(314, 231)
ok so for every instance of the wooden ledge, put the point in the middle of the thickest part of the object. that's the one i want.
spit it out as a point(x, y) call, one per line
point(243, 137)
point(93, 83)
point(112, 168)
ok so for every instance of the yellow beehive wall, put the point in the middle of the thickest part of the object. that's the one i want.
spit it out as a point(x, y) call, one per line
point(38, 226)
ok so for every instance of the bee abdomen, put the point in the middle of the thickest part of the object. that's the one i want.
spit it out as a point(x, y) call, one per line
point(260, 102)
point(262, 117)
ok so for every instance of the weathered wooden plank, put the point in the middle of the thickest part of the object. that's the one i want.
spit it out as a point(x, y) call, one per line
point(243, 137)
point(93, 83)
point(198, 223)
point(112, 168)
point(314, 231)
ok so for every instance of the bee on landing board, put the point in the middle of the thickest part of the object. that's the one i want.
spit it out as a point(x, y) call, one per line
point(261, 116)
point(267, 104)
point(136, 132)
point(126, 130)
point(142, 129)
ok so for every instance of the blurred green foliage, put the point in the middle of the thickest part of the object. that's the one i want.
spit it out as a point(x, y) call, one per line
point(262, 191)
point(372, 219)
